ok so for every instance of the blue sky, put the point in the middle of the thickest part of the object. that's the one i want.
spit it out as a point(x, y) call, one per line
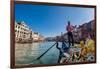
point(51, 20)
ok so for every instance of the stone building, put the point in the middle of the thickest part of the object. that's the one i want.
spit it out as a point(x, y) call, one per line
point(22, 32)
point(83, 31)
point(37, 37)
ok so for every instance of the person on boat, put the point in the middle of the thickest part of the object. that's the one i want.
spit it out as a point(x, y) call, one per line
point(66, 52)
point(69, 29)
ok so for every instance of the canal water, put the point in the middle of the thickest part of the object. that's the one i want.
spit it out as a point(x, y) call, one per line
point(27, 53)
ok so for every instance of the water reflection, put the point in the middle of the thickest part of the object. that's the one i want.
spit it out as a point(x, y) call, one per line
point(27, 53)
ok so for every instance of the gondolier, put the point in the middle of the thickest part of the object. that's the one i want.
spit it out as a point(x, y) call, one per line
point(69, 29)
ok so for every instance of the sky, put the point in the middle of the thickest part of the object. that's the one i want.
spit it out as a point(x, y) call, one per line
point(50, 21)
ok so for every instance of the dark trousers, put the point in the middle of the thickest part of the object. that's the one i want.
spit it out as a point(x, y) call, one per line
point(70, 38)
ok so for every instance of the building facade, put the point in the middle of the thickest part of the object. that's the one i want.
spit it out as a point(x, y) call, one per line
point(83, 31)
point(37, 37)
point(22, 32)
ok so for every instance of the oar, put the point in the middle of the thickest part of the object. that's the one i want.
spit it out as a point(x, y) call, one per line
point(45, 52)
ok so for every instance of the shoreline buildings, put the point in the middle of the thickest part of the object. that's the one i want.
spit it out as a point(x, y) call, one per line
point(24, 34)
point(83, 31)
